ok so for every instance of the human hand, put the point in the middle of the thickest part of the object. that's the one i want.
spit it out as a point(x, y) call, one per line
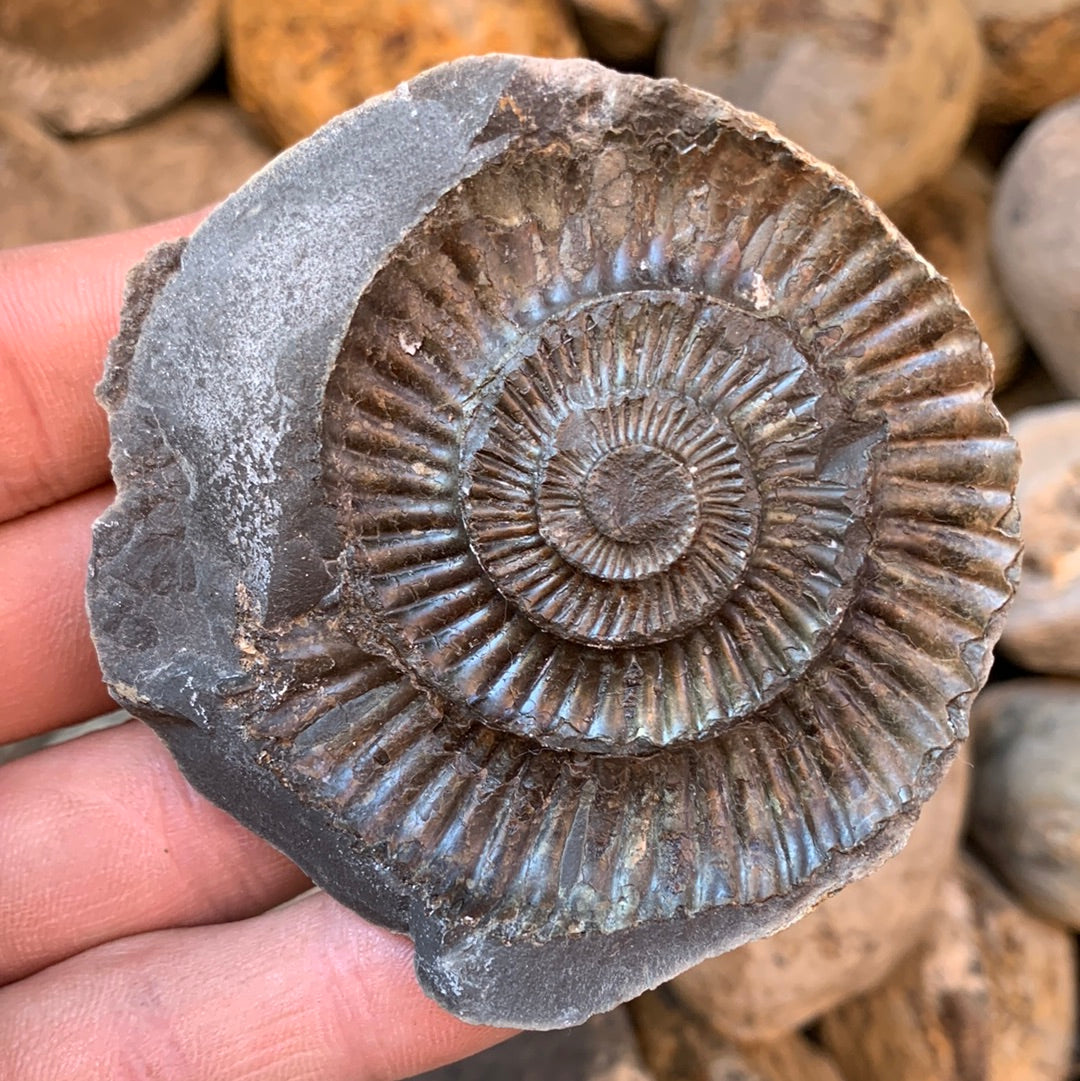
point(138, 929)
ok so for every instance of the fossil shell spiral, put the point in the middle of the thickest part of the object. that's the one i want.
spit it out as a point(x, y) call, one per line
point(563, 516)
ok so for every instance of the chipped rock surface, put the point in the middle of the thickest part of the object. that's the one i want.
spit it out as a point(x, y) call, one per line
point(95, 65)
point(1025, 806)
point(1036, 238)
point(1043, 630)
point(1032, 55)
point(989, 996)
point(886, 92)
point(847, 944)
point(948, 221)
point(294, 64)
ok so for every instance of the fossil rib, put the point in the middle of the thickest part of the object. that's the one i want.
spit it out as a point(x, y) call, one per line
point(563, 516)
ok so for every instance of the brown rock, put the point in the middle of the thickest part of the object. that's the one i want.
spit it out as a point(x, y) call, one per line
point(1032, 55)
point(1036, 238)
point(624, 30)
point(195, 154)
point(48, 194)
point(846, 945)
point(948, 221)
point(294, 64)
point(1043, 629)
point(886, 92)
point(678, 1047)
point(1025, 807)
point(94, 65)
point(990, 996)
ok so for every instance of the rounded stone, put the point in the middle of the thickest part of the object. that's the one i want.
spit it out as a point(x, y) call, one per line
point(885, 92)
point(1032, 55)
point(989, 994)
point(95, 65)
point(1036, 238)
point(1025, 808)
point(195, 154)
point(294, 64)
point(49, 194)
point(1043, 630)
point(678, 1047)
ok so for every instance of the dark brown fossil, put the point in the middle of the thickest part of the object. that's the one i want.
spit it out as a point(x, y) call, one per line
point(563, 516)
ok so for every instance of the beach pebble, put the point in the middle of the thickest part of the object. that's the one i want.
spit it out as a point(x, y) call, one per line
point(1025, 802)
point(848, 943)
point(886, 92)
point(989, 996)
point(1036, 238)
point(294, 64)
point(1042, 631)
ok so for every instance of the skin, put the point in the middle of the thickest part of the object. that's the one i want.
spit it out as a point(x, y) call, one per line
point(139, 933)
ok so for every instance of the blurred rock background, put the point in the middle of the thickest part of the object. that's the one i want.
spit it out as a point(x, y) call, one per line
point(956, 961)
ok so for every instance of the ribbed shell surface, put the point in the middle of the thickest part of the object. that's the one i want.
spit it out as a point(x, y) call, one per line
point(670, 527)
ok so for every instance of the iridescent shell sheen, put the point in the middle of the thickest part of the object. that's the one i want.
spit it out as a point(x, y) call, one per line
point(632, 537)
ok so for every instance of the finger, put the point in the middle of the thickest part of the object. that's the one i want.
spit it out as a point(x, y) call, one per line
point(50, 671)
point(305, 993)
point(59, 306)
point(102, 837)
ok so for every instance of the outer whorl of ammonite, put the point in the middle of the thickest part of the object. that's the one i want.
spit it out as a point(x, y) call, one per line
point(571, 521)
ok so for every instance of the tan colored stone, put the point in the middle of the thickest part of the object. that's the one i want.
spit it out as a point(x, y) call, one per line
point(948, 221)
point(193, 155)
point(95, 65)
point(989, 996)
point(1025, 804)
point(886, 92)
point(1036, 238)
point(625, 31)
point(790, 1058)
point(1030, 966)
point(296, 63)
point(678, 1047)
point(48, 194)
point(1032, 55)
point(847, 944)
point(1042, 631)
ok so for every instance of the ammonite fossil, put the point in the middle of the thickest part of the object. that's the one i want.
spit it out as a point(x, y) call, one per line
point(563, 516)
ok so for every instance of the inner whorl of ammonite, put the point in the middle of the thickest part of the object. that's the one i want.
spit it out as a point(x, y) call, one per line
point(590, 462)
point(602, 507)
